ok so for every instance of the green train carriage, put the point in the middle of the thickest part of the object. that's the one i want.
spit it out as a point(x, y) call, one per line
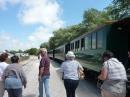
point(89, 47)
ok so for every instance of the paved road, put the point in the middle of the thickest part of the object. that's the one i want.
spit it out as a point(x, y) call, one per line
point(85, 89)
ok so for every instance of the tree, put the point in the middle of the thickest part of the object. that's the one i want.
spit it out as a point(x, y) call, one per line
point(64, 35)
point(120, 8)
point(32, 51)
point(93, 17)
point(12, 51)
point(44, 45)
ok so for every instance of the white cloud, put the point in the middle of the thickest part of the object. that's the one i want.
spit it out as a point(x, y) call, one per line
point(42, 34)
point(9, 42)
point(39, 36)
point(44, 12)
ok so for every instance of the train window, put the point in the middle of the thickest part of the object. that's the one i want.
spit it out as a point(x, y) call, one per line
point(100, 39)
point(82, 43)
point(88, 42)
point(78, 44)
point(93, 40)
point(72, 46)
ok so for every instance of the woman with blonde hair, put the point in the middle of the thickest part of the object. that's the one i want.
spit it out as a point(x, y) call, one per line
point(44, 73)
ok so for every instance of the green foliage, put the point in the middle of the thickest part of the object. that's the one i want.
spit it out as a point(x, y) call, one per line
point(32, 51)
point(93, 17)
point(64, 35)
point(120, 8)
point(12, 51)
point(52, 43)
point(44, 45)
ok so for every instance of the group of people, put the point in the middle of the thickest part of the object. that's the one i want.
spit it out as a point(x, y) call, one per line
point(12, 77)
point(113, 74)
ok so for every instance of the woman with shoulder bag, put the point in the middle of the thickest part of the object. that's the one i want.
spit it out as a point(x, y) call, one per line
point(70, 70)
point(14, 78)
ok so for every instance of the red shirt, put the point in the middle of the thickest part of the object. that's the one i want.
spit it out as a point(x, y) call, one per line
point(45, 63)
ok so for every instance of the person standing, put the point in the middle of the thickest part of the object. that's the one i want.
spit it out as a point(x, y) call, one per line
point(44, 73)
point(114, 76)
point(70, 69)
point(14, 78)
point(3, 65)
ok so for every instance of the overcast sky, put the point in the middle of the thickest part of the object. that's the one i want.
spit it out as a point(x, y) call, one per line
point(28, 23)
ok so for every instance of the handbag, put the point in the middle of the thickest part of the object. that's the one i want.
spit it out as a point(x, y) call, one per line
point(81, 74)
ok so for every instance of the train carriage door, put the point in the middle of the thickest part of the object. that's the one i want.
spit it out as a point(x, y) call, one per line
point(118, 39)
point(67, 47)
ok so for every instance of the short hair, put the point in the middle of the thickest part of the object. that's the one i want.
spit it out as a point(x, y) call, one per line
point(108, 54)
point(3, 57)
point(14, 59)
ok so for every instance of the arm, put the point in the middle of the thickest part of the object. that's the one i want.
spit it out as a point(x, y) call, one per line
point(103, 75)
point(23, 78)
point(5, 74)
point(62, 71)
point(80, 68)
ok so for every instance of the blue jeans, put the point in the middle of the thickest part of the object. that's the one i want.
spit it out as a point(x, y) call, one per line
point(44, 83)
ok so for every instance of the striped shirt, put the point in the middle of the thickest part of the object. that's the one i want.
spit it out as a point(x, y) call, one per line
point(116, 70)
point(116, 78)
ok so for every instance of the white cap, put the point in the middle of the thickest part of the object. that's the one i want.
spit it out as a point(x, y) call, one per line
point(70, 54)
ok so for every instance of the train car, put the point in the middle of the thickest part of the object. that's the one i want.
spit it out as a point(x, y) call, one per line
point(89, 47)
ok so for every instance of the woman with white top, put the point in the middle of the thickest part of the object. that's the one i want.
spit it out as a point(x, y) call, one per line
point(69, 69)
point(3, 65)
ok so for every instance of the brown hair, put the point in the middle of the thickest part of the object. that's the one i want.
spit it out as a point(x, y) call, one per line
point(14, 59)
point(108, 54)
point(3, 57)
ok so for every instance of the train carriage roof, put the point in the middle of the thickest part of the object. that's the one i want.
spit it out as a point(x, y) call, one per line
point(114, 22)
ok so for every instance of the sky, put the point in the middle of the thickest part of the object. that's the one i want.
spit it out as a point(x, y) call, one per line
point(26, 24)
